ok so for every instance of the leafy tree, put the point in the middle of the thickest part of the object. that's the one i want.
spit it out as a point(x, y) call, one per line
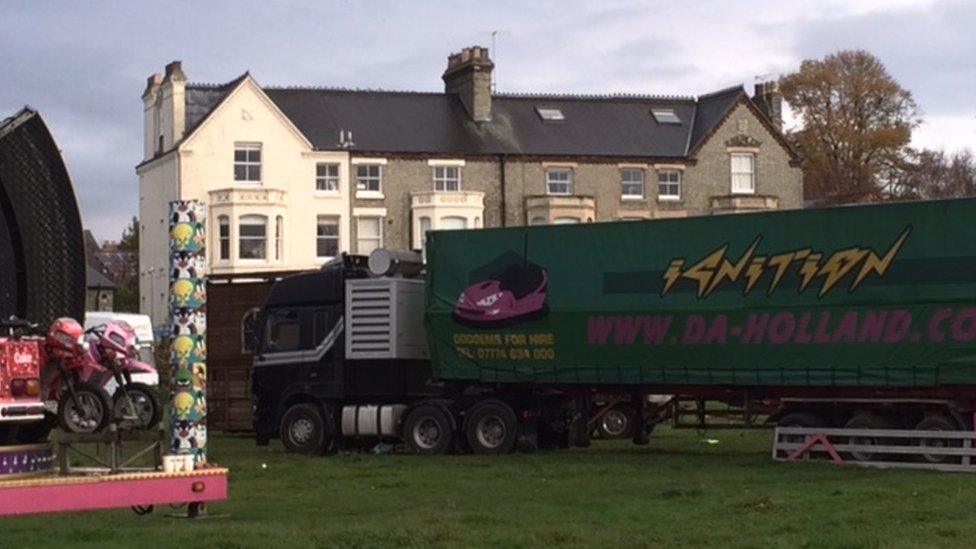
point(857, 122)
point(124, 271)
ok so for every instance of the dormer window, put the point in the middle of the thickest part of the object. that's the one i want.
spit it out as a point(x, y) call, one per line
point(665, 116)
point(550, 114)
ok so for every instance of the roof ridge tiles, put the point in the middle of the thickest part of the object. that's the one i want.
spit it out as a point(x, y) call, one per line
point(344, 89)
point(723, 91)
point(592, 96)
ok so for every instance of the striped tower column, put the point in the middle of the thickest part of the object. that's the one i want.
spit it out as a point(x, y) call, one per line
point(188, 347)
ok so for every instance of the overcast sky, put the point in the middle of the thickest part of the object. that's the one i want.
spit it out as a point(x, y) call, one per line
point(84, 64)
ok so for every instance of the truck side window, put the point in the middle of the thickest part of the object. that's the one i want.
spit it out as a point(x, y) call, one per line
point(282, 332)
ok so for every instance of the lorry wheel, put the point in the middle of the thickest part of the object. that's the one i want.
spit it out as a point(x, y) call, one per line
point(938, 423)
point(616, 423)
point(491, 428)
point(800, 419)
point(868, 421)
point(428, 430)
point(303, 429)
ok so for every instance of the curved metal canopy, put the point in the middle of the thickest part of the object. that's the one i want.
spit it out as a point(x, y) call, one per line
point(42, 258)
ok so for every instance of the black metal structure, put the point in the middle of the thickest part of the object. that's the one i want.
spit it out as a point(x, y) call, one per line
point(42, 256)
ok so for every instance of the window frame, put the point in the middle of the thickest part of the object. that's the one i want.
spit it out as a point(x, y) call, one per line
point(319, 222)
point(328, 183)
point(242, 238)
point(569, 182)
point(362, 189)
point(359, 233)
point(441, 183)
point(623, 184)
point(223, 238)
point(248, 164)
point(751, 173)
point(668, 197)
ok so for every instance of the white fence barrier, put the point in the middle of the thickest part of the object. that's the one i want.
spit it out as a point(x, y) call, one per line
point(900, 448)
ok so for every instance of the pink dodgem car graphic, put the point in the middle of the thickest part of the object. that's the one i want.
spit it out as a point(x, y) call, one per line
point(515, 295)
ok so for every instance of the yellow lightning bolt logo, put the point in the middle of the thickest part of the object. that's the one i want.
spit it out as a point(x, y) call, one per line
point(715, 268)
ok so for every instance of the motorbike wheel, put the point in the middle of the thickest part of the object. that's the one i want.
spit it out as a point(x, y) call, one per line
point(90, 414)
point(148, 410)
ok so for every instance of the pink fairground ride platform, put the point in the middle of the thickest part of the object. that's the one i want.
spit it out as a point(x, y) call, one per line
point(58, 494)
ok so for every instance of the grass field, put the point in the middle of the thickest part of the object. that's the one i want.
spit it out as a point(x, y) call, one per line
point(679, 492)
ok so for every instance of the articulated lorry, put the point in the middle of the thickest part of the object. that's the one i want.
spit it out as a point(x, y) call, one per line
point(863, 317)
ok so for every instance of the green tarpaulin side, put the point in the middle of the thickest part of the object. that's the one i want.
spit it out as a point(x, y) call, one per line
point(909, 322)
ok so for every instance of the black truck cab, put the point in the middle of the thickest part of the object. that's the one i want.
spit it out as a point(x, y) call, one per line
point(300, 358)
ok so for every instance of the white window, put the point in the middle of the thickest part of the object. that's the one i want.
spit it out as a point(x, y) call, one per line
point(327, 236)
point(565, 221)
point(669, 185)
point(424, 227)
point(279, 237)
point(369, 234)
point(559, 181)
point(743, 172)
point(632, 183)
point(247, 162)
point(252, 231)
point(327, 177)
point(224, 237)
point(447, 178)
point(369, 178)
point(452, 223)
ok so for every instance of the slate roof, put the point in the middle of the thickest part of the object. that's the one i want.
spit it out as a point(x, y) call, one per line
point(96, 280)
point(437, 123)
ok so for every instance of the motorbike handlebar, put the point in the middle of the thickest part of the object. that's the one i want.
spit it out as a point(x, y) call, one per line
point(14, 323)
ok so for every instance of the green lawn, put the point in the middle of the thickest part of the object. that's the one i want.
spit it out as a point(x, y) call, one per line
point(680, 491)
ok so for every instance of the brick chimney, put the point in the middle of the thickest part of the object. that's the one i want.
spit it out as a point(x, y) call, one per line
point(468, 75)
point(770, 101)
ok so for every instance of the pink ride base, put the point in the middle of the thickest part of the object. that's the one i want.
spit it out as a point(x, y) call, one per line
point(87, 493)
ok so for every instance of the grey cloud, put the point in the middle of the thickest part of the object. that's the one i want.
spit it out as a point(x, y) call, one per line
point(928, 50)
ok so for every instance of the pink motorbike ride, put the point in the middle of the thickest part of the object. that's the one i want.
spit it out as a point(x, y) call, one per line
point(86, 360)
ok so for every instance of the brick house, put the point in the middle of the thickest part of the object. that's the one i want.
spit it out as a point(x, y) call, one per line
point(293, 176)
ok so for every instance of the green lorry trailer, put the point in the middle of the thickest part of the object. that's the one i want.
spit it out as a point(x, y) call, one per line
point(861, 316)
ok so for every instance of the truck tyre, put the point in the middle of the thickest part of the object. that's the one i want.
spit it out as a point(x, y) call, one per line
point(491, 428)
point(303, 430)
point(868, 421)
point(618, 422)
point(428, 430)
point(800, 419)
point(938, 423)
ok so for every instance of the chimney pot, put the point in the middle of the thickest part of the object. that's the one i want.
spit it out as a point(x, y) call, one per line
point(174, 71)
point(152, 84)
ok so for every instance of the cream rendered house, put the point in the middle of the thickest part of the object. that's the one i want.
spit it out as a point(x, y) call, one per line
point(273, 202)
